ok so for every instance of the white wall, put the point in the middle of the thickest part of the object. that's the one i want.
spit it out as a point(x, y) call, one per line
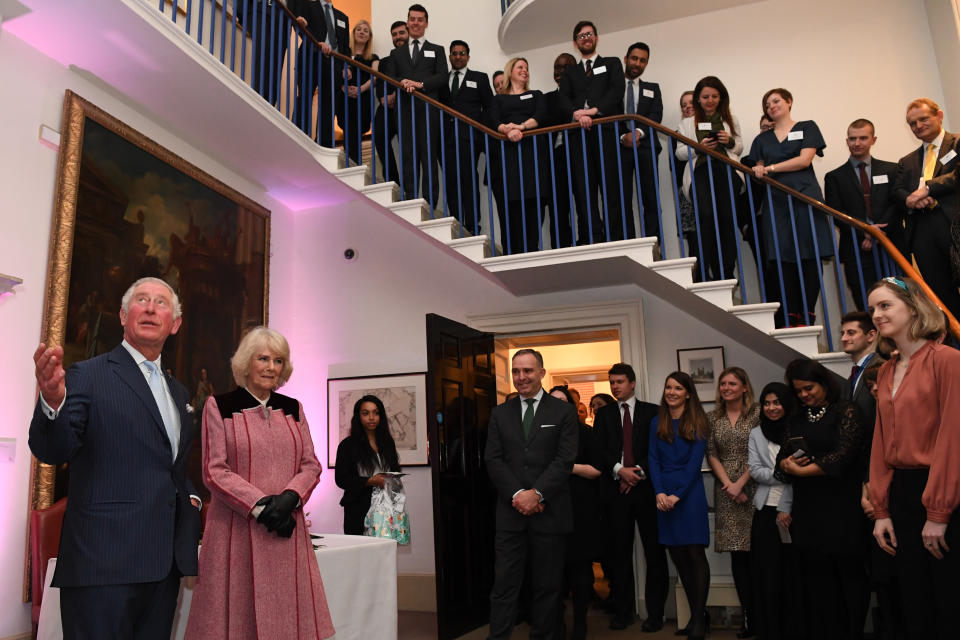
point(34, 86)
point(944, 19)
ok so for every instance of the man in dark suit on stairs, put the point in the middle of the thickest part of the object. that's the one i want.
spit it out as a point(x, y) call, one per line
point(630, 499)
point(592, 88)
point(468, 92)
point(860, 188)
point(531, 446)
point(132, 524)
point(316, 72)
point(420, 66)
point(926, 188)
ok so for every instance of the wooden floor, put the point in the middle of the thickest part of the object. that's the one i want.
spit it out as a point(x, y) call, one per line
point(423, 626)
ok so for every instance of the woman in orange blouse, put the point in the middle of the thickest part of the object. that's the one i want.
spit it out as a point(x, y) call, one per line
point(914, 470)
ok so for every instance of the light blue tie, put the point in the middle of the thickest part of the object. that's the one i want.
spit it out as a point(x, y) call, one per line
point(163, 404)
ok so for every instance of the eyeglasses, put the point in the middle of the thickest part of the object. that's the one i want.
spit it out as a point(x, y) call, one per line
point(584, 36)
point(459, 54)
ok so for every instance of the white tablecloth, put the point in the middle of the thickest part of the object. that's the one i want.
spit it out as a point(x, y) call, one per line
point(359, 577)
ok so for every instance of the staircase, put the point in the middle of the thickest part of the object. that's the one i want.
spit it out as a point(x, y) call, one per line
point(584, 266)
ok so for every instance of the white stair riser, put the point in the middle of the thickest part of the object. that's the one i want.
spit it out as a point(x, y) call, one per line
point(723, 298)
point(681, 274)
point(762, 320)
point(807, 345)
point(414, 214)
point(355, 180)
point(477, 249)
point(383, 194)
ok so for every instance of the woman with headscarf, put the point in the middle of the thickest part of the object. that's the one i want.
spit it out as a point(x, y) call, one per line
point(771, 520)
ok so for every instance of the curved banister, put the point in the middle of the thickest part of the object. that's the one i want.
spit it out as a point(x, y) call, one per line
point(868, 229)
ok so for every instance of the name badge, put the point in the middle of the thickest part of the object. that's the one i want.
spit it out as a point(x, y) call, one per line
point(648, 93)
point(704, 126)
point(947, 157)
point(598, 70)
point(471, 84)
point(341, 24)
point(526, 96)
point(795, 135)
point(428, 53)
point(880, 179)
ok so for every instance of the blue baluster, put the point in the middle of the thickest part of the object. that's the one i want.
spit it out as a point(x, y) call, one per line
point(823, 292)
point(536, 185)
point(475, 194)
point(836, 263)
point(656, 183)
point(636, 179)
point(796, 251)
point(586, 181)
point(199, 20)
point(223, 31)
point(736, 242)
point(190, 14)
point(623, 204)
point(756, 239)
point(506, 207)
point(603, 182)
point(776, 253)
point(716, 217)
point(676, 196)
point(566, 153)
point(691, 160)
point(555, 224)
point(486, 155)
point(233, 37)
point(429, 167)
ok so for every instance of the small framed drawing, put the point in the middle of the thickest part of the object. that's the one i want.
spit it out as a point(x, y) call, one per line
point(404, 396)
point(703, 365)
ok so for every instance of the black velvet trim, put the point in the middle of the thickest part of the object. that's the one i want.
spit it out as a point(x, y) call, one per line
point(240, 399)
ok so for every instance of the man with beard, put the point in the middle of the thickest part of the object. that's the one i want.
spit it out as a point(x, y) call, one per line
point(385, 121)
point(640, 98)
point(592, 88)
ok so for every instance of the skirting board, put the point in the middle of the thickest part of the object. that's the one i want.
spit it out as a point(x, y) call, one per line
point(417, 592)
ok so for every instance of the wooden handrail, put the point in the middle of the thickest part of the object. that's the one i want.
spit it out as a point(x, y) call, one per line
point(868, 229)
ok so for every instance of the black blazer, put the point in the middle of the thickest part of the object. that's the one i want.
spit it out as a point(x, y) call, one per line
point(943, 186)
point(603, 90)
point(312, 11)
point(347, 475)
point(609, 426)
point(843, 192)
point(431, 68)
point(470, 101)
point(648, 106)
point(542, 461)
point(121, 524)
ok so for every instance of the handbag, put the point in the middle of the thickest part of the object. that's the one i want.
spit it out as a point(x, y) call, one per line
point(387, 516)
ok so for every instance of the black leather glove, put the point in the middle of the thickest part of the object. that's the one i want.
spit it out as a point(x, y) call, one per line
point(285, 530)
point(278, 509)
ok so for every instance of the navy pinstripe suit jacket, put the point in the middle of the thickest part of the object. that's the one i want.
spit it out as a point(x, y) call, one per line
point(128, 516)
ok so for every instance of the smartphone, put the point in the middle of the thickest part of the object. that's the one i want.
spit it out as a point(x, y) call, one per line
point(798, 444)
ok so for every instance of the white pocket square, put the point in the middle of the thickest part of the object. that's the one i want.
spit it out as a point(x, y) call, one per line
point(189, 408)
point(547, 426)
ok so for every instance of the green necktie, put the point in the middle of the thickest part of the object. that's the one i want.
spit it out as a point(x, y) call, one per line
point(528, 417)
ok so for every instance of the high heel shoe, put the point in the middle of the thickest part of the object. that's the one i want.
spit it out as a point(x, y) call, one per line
point(686, 630)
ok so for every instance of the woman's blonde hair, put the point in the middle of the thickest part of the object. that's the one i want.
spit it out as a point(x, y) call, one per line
point(255, 340)
point(720, 405)
point(508, 71)
point(367, 48)
point(928, 320)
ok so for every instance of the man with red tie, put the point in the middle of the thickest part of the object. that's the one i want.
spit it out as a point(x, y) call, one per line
point(860, 188)
point(623, 432)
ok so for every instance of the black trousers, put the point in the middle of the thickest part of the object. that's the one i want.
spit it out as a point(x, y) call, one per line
point(622, 211)
point(775, 612)
point(559, 211)
point(930, 242)
point(269, 29)
point(797, 282)
point(591, 171)
point(718, 264)
point(141, 611)
point(637, 507)
point(512, 550)
point(384, 132)
point(929, 588)
point(836, 594)
point(848, 256)
point(353, 517)
point(461, 180)
point(419, 148)
point(314, 74)
point(523, 215)
point(578, 576)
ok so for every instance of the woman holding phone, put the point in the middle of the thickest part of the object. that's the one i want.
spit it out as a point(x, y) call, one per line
point(714, 127)
point(823, 458)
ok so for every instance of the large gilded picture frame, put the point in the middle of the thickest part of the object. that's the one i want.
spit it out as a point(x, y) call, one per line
point(125, 208)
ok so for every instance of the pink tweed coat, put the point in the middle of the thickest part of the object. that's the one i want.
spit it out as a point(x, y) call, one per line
point(253, 584)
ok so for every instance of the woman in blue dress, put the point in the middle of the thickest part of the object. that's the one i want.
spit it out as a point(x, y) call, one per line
point(785, 154)
point(678, 442)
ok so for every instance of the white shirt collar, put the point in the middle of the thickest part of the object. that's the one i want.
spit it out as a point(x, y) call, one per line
point(138, 357)
point(592, 58)
point(630, 402)
point(937, 141)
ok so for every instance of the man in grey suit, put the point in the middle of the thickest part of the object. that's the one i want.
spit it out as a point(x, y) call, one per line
point(131, 526)
point(531, 445)
point(419, 66)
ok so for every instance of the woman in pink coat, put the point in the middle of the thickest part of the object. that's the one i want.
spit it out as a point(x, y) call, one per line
point(258, 573)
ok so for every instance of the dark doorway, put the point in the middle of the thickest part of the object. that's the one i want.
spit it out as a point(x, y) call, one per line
point(461, 391)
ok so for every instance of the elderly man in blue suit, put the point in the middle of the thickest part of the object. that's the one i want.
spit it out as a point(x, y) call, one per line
point(131, 525)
